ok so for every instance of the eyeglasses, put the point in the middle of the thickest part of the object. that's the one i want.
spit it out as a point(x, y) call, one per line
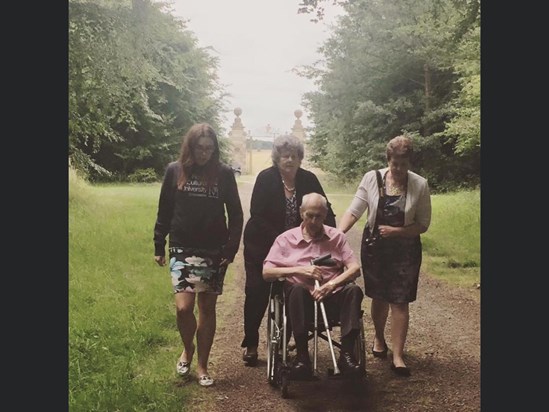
point(204, 149)
point(311, 215)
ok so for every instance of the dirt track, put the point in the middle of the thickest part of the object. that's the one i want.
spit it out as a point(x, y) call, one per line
point(443, 351)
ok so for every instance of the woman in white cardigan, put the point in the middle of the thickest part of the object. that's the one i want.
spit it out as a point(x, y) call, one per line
point(391, 264)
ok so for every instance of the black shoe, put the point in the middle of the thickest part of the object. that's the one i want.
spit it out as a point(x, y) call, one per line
point(400, 370)
point(381, 354)
point(301, 370)
point(347, 364)
point(250, 359)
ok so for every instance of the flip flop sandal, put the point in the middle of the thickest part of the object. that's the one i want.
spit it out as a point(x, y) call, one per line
point(205, 380)
point(183, 368)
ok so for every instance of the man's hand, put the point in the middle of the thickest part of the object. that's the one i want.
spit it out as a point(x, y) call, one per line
point(323, 291)
point(312, 272)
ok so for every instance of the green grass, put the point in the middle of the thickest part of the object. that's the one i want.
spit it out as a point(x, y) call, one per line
point(123, 341)
point(452, 243)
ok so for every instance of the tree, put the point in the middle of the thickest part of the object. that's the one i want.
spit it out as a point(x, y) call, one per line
point(390, 67)
point(137, 82)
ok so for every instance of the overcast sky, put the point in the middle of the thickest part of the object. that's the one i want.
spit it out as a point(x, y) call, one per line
point(258, 42)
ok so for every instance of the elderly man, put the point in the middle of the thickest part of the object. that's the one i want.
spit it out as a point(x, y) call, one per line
point(290, 258)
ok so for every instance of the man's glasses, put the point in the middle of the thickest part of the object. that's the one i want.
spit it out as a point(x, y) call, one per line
point(312, 216)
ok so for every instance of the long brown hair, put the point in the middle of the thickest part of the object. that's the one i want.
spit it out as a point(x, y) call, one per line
point(187, 162)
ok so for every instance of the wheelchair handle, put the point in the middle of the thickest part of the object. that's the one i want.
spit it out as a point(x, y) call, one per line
point(319, 261)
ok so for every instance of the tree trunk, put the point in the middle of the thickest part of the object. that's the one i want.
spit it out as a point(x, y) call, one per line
point(427, 75)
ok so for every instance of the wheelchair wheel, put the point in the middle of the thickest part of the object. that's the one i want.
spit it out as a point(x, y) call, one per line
point(360, 350)
point(275, 320)
point(284, 384)
point(275, 363)
point(273, 345)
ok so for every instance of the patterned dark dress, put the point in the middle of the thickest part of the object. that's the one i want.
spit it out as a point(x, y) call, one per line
point(292, 214)
point(390, 266)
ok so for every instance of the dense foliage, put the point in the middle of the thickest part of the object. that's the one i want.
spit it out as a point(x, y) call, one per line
point(399, 66)
point(137, 82)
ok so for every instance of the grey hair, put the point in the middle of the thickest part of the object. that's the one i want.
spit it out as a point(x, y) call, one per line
point(314, 197)
point(286, 142)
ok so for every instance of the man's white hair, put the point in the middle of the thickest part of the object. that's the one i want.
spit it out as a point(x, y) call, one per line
point(314, 197)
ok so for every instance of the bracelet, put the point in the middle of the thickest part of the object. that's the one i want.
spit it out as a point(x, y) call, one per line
point(332, 283)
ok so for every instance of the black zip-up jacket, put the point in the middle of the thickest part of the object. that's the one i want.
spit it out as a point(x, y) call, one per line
point(195, 217)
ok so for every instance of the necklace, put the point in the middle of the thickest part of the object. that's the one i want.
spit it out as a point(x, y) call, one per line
point(394, 188)
point(287, 188)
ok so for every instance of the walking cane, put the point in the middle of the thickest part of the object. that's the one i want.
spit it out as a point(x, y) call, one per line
point(319, 261)
point(315, 341)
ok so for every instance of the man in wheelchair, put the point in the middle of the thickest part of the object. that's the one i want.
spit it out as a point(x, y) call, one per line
point(291, 259)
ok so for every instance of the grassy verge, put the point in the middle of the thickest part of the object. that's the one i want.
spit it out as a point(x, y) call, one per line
point(452, 243)
point(122, 334)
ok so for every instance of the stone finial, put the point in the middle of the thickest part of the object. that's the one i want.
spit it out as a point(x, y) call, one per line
point(237, 124)
point(297, 129)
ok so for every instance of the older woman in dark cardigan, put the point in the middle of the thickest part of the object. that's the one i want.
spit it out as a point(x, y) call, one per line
point(276, 198)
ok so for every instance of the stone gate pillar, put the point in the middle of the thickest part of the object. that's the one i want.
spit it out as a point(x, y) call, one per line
point(238, 137)
point(298, 130)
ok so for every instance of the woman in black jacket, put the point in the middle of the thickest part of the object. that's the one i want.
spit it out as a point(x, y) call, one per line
point(276, 198)
point(191, 210)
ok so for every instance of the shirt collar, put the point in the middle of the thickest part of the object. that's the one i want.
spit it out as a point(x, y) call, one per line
point(299, 235)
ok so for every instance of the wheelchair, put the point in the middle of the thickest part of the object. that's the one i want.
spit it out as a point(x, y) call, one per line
point(279, 347)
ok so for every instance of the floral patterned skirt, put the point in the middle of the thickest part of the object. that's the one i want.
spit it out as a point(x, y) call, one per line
point(196, 270)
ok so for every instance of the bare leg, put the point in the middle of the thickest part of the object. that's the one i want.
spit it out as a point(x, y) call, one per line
point(206, 330)
point(379, 312)
point(186, 323)
point(400, 317)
